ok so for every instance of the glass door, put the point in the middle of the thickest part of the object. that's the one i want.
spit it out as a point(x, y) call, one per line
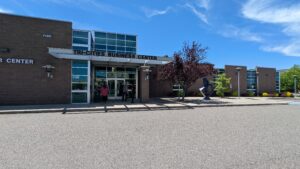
point(115, 90)
point(112, 88)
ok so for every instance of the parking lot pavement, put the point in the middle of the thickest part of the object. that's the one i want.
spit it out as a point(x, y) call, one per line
point(219, 137)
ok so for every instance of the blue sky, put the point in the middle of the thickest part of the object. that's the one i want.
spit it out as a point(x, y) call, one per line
point(237, 32)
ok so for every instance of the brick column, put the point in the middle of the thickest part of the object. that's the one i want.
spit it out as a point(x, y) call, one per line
point(144, 83)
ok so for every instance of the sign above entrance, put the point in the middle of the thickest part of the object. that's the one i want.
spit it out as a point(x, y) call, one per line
point(16, 61)
point(110, 54)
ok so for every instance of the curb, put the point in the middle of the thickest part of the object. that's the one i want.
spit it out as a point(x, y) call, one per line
point(126, 109)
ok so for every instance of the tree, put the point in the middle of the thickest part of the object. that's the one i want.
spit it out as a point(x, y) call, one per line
point(187, 66)
point(222, 84)
point(287, 78)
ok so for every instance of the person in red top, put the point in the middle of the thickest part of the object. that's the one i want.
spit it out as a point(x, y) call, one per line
point(104, 92)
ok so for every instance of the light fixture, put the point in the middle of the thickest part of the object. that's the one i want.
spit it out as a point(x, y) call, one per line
point(49, 70)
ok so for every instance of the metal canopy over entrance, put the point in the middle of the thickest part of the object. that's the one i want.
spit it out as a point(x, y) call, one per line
point(90, 69)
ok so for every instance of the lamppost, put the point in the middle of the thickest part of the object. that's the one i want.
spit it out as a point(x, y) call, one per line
point(257, 83)
point(295, 83)
point(238, 71)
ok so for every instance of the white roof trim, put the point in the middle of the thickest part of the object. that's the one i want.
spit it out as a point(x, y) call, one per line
point(68, 54)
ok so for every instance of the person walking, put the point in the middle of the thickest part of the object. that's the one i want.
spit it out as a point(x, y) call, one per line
point(132, 93)
point(104, 91)
point(125, 92)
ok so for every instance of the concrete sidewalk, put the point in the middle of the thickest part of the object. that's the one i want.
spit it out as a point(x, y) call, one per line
point(153, 104)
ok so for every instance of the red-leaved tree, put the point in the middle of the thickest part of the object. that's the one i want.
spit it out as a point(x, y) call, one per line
point(187, 66)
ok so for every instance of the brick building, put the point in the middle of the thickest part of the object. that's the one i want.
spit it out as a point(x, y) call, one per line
point(44, 61)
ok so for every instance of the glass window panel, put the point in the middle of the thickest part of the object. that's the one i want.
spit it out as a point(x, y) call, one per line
point(130, 37)
point(120, 69)
point(111, 75)
point(121, 48)
point(130, 44)
point(79, 97)
point(130, 70)
point(100, 47)
point(121, 51)
point(80, 34)
point(111, 42)
point(79, 63)
point(79, 86)
point(80, 48)
point(131, 76)
point(130, 49)
point(79, 71)
point(79, 79)
point(109, 69)
point(122, 37)
point(100, 34)
point(111, 35)
point(80, 41)
point(100, 41)
point(111, 48)
point(120, 43)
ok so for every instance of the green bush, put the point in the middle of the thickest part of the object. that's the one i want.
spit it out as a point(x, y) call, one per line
point(235, 93)
point(251, 93)
point(222, 84)
point(180, 93)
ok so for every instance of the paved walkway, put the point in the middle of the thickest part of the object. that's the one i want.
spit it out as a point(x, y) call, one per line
point(153, 104)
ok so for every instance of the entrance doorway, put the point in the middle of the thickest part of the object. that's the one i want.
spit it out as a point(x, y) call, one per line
point(113, 77)
point(114, 86)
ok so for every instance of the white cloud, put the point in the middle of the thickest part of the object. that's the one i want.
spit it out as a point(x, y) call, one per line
point(280, 14)
point(271, 12)
point(154, 12)
point(199, 14)
point(3, 10)
point(203, 4)
point(231, 31)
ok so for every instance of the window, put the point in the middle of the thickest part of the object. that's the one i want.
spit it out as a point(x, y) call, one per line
point(100, 35)
point(130, 44)
point(120, 43)
point(111, 36)
point(111, 42)
point(100, 47)
point(111, 48)
point(79, 97)
point(130, 37)
point(80, 41)
point(80, 83)
point(121, 37)
point(80, 48)
point(100, 41)
point(80, 34)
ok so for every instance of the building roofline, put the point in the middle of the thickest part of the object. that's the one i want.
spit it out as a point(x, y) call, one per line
point(32, 17)
point(86, 30)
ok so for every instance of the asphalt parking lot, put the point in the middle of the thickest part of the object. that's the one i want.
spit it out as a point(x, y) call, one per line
point(221, 137)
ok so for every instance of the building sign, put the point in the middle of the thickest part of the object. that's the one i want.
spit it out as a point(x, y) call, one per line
point(110, 54)
point(16, 61)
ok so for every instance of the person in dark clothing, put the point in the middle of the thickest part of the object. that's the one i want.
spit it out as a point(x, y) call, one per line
point(132, 93)
point(125, 92)
point(121, 88)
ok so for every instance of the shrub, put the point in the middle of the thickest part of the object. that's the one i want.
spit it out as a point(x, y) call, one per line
point(250, 93)
point(276, 94)
point(265, 94)
point(235, 93)
point(180, 93)
point(222, 84)
point(289, 94)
